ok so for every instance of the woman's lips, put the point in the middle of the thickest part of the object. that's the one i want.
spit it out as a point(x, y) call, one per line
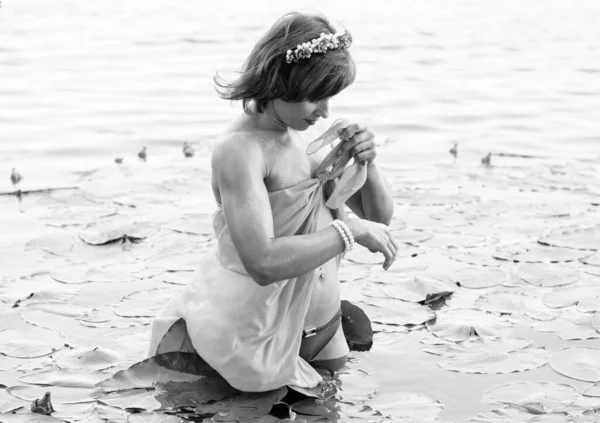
point(310, 122)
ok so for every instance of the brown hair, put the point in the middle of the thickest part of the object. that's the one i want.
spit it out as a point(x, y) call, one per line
point(266, 76)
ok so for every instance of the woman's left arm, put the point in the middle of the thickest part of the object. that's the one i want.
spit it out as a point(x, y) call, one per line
point(374, 200)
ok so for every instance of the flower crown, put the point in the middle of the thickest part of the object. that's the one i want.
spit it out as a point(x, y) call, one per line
point(319, 45)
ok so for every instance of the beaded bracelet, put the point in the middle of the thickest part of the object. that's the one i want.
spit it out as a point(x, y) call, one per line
point(345, 233)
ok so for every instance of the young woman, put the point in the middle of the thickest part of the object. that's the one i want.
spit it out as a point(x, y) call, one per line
point(264, 309)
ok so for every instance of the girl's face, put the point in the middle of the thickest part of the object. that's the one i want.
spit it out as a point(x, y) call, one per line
point(300, 116)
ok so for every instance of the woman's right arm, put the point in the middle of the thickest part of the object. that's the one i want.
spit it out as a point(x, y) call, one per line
point(239, 169)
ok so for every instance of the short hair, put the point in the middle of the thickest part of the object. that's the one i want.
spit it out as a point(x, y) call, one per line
point(266, 76)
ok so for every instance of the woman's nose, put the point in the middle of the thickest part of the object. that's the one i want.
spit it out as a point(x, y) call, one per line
point(323, 109)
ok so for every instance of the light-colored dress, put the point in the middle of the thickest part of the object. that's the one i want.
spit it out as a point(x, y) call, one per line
point(251, 334)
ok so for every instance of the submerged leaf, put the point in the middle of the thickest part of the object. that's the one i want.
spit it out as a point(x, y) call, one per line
point(577, 363)
point(110, 230)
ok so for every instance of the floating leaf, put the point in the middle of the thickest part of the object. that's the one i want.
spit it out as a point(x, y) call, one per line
point(413, 237)
point(97, 358)
point(476, 278)
point(28, 418)
point(417, 289)
point(595, 321)
point(454, 240)
point(548, 275)
point(460, 324)
point(505, 415)
point(107, 231)
point(570, 326)
point(593, 390)
point(431, 198)
point(407, 406)
point(143, 304)
point(76, 215)
point(489, 356)
point(63, 377)
point(10, 403)
point(589, 305)
point(536, 253)
point(506, 302)
point(593, 260)
point(578, 238)
point(196, 224)
point(34, 342)
point(577, 363)
point(316, 407)
point(549, 395)
point(475, 257)
point(415, 314)
point(572, 294)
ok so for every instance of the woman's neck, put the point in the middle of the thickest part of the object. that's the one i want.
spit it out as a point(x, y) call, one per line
point(268, 120)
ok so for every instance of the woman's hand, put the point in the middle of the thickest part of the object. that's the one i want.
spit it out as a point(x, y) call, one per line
point(376, 237)
point(360, 142)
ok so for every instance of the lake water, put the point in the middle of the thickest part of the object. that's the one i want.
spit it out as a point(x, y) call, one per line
point(82, 83)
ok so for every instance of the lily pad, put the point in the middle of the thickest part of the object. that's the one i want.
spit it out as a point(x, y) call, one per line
point(417, 289)
point(536, 253)
point(34, 342)
point(111, 230)
point(577, 238)
point(577, 363)
point(546, 396)
point(570, 326)
point(407, 406)
point(144, 303)
point(28, 418)
point(96, 358)
point(593, 260)
point(548, 275)
point(506, 302)
point(490, 362)
point(414, 314)
point(461, 324)
point(595, 321)
point(63, 377)
point(76, 215)
point(589, 305)
point(10, 403)
point(476, 278)
point(454, 240)
point(572, 294)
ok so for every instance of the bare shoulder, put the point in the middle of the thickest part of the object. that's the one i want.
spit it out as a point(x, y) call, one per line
point(237, 151)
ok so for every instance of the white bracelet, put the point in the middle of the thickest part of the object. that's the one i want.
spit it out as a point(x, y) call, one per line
point(345, 233)
point(342, 234)
point(348, 233)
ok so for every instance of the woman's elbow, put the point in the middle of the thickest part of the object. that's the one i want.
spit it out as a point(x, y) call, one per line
point(260, 273)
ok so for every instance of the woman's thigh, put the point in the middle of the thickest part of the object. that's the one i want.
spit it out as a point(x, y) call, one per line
point(333, 355)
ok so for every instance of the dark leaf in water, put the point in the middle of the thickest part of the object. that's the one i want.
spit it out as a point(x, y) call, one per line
point(357, 327)
point(171, 371)
point(244, 406)
point(176, 339)
point(317, 407)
